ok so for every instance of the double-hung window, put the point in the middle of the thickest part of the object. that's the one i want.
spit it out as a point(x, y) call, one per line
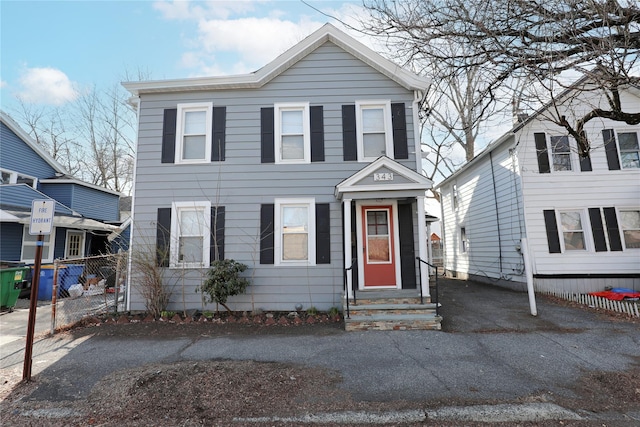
point(629, 150)
point(630, 224)
point(295, 231)
point(292, 134)
point(374, 130)
point(573, 234)
point(29, 243)
point(193, 135)
point(190, 234)
point(560, 153)
point(463, 240)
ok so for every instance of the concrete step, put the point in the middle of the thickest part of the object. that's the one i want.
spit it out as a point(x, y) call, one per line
point(370, 309)
point(394, 322)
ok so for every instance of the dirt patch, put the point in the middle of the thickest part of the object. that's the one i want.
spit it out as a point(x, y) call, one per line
point(218, 393)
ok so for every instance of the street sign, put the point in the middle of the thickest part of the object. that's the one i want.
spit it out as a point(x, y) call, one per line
point(42, 216)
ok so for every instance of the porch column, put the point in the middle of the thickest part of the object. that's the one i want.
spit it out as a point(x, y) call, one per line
point(422, 246)
point(346, 203)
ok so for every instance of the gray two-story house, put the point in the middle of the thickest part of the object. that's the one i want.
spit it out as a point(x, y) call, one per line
point(302, 169)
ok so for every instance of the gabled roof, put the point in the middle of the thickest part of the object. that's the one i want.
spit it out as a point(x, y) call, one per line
point(518, 126)
point(24, 136)
point(327, 33)
point(402, 178)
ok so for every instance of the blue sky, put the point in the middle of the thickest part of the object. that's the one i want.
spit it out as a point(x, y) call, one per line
point(53, 50)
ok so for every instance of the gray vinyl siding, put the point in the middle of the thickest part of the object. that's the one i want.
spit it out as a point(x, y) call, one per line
point(88, 202)
point(19, 157)
point(11, 237)
point(329, 77)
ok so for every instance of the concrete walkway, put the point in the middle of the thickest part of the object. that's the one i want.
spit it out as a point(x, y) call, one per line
point(490, 349)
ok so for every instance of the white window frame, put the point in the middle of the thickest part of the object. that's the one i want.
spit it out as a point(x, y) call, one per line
point(388, 128)
point(464, 241)
point(622, 230)
point(48, 241)
point(618, 132)
point(586, 233)
point(573, 159)
point(67, 240)
point(176, 210)
point(306, 130)
point(310, 204)
point(13, 177)
point(187, 108)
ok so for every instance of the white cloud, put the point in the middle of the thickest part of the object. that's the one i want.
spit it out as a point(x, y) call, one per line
point(254, 40)
point(188, 10)
point(46, 86)
point(2, 84)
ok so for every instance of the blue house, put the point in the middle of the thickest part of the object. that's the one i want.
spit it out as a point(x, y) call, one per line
point(85, 214)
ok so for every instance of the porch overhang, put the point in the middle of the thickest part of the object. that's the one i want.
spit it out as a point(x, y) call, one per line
point(383, 178)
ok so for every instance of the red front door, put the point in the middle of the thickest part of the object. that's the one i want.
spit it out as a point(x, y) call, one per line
point(378, 242)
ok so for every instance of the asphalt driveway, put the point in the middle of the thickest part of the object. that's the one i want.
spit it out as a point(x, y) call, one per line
point(490, 350)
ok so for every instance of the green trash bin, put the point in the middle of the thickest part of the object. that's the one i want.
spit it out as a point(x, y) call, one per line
point(12, 280)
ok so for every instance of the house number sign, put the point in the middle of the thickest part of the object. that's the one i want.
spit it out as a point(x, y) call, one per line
point(383, 176)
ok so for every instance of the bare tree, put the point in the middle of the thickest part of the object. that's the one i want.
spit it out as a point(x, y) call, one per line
point(92, 138)
point(535, 40)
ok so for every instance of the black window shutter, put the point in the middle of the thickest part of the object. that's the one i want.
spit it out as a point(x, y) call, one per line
point(219, 134)
point(399, 124)
point(169, 135)
point(323, 234)
point(585, 163)
point(267, 146)
point(266, 233)
point(552, 231)
point(349, 139)
point(615, 244)
point(316, 118)
point(216, 251)
point(611, 149)
point(163, 237)
point(541, 151)
point(407, 250)
point(598, 230)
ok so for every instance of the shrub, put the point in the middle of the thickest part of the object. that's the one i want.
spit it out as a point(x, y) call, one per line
point(223, 280)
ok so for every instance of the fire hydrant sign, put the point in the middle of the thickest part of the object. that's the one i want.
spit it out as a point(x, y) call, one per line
point(42, 216)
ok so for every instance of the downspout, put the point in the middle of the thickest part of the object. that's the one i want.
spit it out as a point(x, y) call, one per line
point(495, 200)
point(136, 103)
point(524, 245)
point(415, 106)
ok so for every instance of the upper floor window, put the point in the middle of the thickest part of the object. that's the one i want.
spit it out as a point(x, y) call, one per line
point(572, 230)
point(373, 130)
point(190, 234)
point(11, 177)
point(292, 134)
point(629, 150)
point(630, 224)
point(193, 136)
point(561, 153)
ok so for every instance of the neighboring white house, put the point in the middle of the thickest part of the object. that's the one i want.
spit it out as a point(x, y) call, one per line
point(529, 192)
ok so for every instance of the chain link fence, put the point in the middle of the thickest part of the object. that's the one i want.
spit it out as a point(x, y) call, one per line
point(84, 287)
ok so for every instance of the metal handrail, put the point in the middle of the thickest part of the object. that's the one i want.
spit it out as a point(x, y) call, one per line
point(346, 290)
point(420, 262)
